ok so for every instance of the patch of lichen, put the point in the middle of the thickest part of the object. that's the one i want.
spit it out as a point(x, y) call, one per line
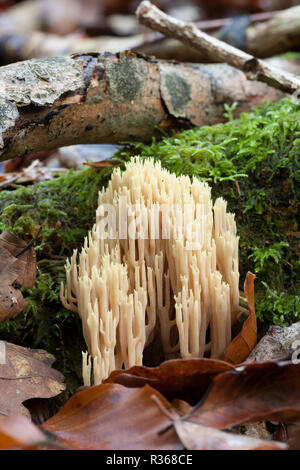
point(253, 162)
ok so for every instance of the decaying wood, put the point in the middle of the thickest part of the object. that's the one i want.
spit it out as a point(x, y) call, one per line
point(53, 102)
point(279, 34)
point(214, 49)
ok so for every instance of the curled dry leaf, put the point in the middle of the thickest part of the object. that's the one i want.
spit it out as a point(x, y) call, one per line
point(198, 437)
point(17, 265)
point(110, 416)
point(186, 379)
point(242, 345)
point(26, 374)
point(267, 391)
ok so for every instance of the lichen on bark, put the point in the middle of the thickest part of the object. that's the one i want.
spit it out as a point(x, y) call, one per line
point(38, 81)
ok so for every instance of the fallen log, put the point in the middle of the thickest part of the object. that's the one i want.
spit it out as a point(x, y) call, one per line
point(54, 102)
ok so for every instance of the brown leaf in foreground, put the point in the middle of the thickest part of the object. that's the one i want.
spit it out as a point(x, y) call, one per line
point(186, 379)
point(267, 391)
point(17, 431)
point(26, 374)
point(110, 416)
point(113, 417)
point(198, 437)
point(17, 265)
point(242, 345)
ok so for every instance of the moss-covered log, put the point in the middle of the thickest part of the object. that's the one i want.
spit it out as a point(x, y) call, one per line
point(253, 162)
point(58, 101)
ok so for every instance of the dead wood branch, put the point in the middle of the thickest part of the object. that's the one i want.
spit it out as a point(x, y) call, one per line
point(214, 49)
point(53, 102)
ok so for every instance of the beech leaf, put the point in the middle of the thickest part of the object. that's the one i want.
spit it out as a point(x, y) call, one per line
point(185, 379)
point(17, 265)
point(266, 391)
point(199, 437)
point(110, 416)
point(26, 374)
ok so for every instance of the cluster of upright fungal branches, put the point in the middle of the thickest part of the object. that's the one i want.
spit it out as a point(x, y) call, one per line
point(160, 259)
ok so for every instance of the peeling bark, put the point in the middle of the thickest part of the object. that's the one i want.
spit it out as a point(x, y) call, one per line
point(53, 102)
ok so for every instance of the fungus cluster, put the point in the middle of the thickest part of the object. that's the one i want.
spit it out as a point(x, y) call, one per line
point(160, 259)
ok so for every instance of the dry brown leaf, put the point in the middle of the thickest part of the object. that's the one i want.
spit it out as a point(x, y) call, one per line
point(267, 391)
point(181, 407)
point(242, 345)
point(17, 265)
point(113, 417)
point(186, 379)
point(17, 431)
point(34, 173)
point(198, 437)
point(102, 164)
point(110, 416)
point(26, 374)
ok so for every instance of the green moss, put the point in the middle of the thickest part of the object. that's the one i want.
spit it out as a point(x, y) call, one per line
point(253, 162)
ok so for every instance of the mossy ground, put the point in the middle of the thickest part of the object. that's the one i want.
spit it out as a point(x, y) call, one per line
point(253, 162)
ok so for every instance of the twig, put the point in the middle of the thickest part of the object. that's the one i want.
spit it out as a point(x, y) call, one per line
point(207, 25)
point(214, 49)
